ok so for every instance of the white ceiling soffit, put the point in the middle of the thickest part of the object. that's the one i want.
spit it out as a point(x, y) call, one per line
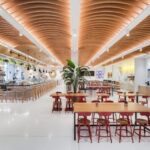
point(75, 18)
point(122, 33)
point(28, 35)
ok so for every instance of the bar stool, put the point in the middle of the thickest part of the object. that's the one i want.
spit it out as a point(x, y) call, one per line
point(113, 116)
point(69, 103)
point(125, 120)
point(93, 114)
point(83, 121)
point(103, 121)
point(104, 98)
point(144, 100)
point(57, 105)
point(132, 97)
point(142, 123)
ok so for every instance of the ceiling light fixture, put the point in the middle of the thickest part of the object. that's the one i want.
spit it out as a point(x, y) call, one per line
point(128, 34)
point(141, 49)
point(20, 34)
point(123, 32)
point(7, 16)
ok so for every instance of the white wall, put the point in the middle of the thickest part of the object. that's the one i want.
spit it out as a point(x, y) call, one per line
point(140, 72)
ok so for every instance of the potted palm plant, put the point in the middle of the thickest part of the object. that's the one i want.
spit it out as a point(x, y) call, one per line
point(74, 75)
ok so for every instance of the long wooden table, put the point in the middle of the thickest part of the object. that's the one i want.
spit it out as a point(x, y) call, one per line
point(69, 94)
point(107, 107)
point(99, 87)
point(125, 95)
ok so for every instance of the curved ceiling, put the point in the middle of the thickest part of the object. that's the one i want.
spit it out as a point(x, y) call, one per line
point(101, 20)
point(47, 20)
point(139, 34)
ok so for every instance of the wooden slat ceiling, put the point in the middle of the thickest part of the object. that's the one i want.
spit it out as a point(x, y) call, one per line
point(47, 20)
point(10, 35)
point(102, 19)
point(145, 51)
point(138, 35)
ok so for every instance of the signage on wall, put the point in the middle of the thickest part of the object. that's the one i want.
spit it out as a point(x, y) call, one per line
point(100, 74)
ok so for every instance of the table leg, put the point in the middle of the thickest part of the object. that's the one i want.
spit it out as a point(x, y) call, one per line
point(74, 126)
point(135, 117)
point(137, 98)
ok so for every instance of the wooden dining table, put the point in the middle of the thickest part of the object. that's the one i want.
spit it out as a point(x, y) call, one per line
point(107, 107)
point(125, 95)
point(69, 94)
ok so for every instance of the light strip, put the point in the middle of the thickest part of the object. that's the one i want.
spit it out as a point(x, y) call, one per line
point(19, 52)
point(75, 18)
point(122, 33)
point(144, 44)
point(24, 31)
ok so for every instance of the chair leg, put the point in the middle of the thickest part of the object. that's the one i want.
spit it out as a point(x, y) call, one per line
point(120, 134)
point(139, 133)
point(89, 129)
point(110, 133)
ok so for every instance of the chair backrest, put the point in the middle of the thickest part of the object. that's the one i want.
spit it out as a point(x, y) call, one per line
point(146, 114)
point(81, 99)
point(108, 101)
point(126, 114)
point(146, 97)
point(122, 100)
point(130, 92)
point(58, 92)
point(104, 115)
point(95, 101)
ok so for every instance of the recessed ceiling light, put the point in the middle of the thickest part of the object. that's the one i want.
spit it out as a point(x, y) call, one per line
point(141, 50)
point(128, 34)
point(74, 34)
point(20, 34)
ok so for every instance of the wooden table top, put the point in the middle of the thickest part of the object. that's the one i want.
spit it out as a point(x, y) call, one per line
point(102, 94)
point(109, 107)
point(69, 94)
point(131, 94)
point(98, 86)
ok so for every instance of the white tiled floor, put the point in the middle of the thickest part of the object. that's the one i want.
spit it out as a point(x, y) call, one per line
point(32, 126)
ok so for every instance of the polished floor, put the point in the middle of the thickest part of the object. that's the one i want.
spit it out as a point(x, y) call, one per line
point(32, 126)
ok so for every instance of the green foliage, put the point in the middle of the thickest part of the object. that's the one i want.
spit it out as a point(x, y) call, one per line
point(73, 74)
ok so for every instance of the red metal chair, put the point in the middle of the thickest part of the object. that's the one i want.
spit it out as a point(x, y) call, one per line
point(125, 120)
point(141, 122)
point(144, 100)
point(104, 98)
point(81, 99)
point(103, 125)
point(93, 114)
point(83, 121)
point(131, 98)
point(113, 114)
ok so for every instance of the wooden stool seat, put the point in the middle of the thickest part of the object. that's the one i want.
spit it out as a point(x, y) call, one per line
point(83, 121)
point(122, 121)
point(142, 121)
